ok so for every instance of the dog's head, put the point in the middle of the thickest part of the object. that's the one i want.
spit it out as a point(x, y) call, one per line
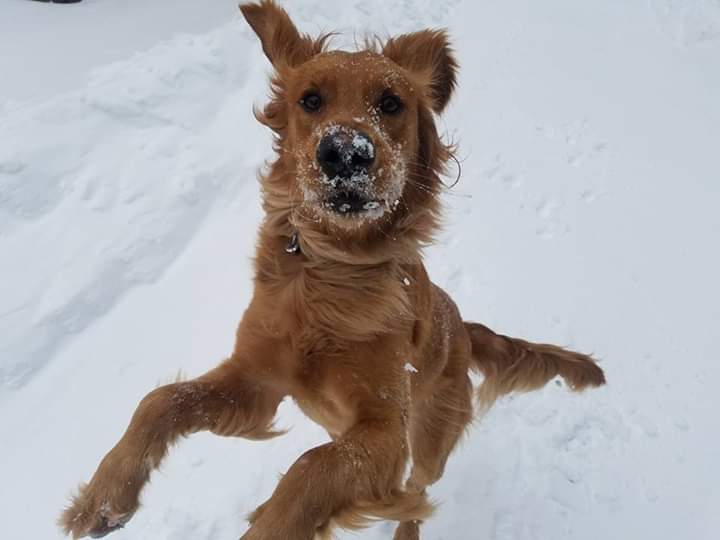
point(359, 155)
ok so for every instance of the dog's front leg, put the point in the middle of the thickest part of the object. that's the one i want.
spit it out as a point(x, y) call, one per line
point(226, 401)
point(361, 469)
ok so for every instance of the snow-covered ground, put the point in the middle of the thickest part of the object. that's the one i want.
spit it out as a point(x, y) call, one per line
point(587, 215)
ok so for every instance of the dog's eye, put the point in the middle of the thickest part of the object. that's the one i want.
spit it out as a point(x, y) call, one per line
point(311, 102)
point(390, 105)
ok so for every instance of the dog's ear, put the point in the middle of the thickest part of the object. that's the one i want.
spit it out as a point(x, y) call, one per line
point(281, 41)
point(429, 54)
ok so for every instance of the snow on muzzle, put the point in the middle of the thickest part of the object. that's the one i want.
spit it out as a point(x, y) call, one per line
point(345, 156)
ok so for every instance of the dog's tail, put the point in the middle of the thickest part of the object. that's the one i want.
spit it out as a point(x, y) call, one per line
point(514, 365)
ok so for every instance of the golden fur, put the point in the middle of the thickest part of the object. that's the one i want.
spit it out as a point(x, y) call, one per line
point(350, 327)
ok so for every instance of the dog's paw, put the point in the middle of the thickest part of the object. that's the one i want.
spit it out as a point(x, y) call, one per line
point(92, 514)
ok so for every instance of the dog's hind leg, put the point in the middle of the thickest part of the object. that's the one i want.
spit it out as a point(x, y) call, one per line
point(224, 401)
point(437, 425)
point(343, 484)
point(407, 530)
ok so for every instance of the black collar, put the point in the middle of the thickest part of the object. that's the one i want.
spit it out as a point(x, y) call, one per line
point(293, 246)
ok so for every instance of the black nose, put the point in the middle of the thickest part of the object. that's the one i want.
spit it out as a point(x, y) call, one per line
point(344, 152)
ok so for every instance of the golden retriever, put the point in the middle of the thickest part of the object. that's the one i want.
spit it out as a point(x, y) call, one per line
point(344, 318)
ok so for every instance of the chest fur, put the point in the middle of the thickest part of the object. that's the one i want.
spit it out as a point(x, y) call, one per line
point(349, 328)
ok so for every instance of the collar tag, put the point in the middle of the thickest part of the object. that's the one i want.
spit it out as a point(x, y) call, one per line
point(293, 246)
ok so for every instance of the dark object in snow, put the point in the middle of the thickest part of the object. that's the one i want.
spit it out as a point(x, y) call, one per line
point(59, 1)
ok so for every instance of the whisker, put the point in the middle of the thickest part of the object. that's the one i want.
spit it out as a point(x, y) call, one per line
point(442, 189)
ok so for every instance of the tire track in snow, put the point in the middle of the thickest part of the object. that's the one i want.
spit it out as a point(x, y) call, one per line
point(107, 186)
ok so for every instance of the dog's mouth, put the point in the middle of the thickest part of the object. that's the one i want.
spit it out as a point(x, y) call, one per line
point(348, 203)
